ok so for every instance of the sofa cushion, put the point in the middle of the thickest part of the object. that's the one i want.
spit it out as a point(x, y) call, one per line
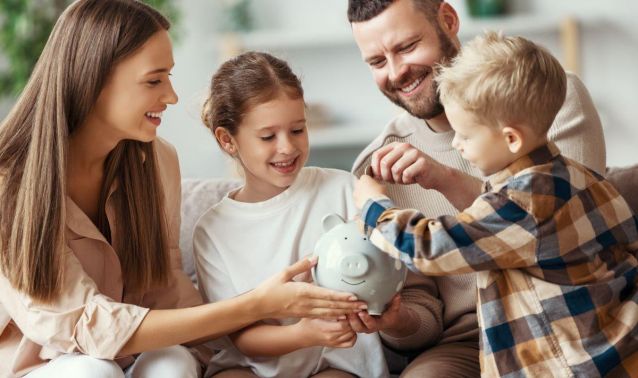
point(198, 195)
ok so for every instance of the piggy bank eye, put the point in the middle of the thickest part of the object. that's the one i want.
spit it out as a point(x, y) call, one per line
point(365, 238)
point(346, 238)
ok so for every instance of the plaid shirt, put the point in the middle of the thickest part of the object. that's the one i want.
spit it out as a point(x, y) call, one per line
point(554, 246)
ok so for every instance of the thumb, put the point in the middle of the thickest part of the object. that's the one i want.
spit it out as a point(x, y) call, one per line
point(299, 267)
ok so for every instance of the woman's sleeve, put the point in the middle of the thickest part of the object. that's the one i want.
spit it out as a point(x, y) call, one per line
point(80, 320)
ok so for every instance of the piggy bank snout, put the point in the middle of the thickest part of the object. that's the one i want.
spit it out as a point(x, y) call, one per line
point(354, 265)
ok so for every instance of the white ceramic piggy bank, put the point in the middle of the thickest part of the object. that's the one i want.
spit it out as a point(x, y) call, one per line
point(348, 261)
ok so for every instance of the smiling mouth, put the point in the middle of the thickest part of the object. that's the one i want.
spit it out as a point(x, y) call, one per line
point(352, 284)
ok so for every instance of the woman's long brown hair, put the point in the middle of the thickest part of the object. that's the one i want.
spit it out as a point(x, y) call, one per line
point(88, 40)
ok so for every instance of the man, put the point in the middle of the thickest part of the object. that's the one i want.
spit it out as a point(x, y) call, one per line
point(434, 320)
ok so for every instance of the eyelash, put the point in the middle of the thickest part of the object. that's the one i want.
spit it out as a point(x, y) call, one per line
point(154, 83)
point(271, 137)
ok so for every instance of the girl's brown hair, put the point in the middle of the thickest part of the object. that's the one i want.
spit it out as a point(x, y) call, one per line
point(243, 82)
point(87, 41)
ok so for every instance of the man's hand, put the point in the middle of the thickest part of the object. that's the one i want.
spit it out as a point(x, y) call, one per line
point(392, 321)
point(402, 163)
point(367, 188)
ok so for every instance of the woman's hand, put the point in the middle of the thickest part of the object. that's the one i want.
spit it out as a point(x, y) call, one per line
point(327, 333)
point(279, 297)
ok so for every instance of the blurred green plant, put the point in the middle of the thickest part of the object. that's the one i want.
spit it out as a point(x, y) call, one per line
point(24, 28)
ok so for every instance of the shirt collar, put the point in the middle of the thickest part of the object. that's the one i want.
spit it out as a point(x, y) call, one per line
point(539, 156)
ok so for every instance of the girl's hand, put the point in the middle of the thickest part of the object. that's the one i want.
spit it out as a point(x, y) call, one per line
point(279, 297)
point(367, 188)
point(327, 333)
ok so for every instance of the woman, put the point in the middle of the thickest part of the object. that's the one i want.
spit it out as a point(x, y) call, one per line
point(89, 213)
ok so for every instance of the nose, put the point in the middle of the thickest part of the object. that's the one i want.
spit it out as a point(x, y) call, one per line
point(396, 69)
point(170, 97)
point(354, 265)
point(285, 145)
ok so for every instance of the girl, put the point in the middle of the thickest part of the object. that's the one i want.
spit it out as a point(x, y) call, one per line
point(256, 112)
point(89, 213)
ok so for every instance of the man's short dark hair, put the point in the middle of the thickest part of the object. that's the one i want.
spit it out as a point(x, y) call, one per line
point(364, 10)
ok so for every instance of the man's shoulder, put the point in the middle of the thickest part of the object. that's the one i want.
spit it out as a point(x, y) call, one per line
point(401, 126)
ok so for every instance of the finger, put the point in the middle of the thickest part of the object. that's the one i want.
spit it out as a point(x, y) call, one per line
point(337, 305)
point(320, 293)
point(356, 324)
point(404, 162)
point(368, 321)
point(388, 161)
point(299, 267)
point(377, 156)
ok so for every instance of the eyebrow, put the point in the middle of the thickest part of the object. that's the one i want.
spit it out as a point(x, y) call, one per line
point(158, 70)
point(397, 46)
point(270, 127)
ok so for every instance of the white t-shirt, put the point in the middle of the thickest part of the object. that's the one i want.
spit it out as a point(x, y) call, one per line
point(238, 245)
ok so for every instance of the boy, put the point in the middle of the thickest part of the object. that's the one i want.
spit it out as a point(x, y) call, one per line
point(553, 242)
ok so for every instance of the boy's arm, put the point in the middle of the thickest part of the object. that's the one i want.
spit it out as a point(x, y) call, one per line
point(494, 233)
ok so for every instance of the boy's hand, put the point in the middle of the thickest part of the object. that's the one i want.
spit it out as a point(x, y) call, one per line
point(366, 188)
point(327, 333)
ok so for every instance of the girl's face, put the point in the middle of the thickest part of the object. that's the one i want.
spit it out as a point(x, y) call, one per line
point(272, 145)
point(136, 93)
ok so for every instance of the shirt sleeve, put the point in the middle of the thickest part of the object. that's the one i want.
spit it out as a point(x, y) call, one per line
point(577, 130)
point(80, 320)
point(494, 233)
point(212, 276)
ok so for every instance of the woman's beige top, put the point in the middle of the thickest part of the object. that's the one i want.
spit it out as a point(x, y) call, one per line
point(94, 315)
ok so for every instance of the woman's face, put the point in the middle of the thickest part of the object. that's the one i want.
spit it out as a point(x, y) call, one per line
point(272, 144)
point(136, 94)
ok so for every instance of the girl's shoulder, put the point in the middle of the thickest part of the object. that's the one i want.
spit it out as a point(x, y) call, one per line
point(320, 175)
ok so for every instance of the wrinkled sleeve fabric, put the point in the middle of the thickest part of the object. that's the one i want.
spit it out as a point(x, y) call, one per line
point(81, 320)
point(494, 233)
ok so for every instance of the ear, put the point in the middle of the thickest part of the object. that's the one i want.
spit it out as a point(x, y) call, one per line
point(331, 221)
point(448, 19)
point(226, 141)
point(513, 137)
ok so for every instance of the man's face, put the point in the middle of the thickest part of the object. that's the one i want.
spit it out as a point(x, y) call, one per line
point(402, 47)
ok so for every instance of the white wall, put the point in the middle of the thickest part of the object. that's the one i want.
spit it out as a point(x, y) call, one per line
point(334, 74)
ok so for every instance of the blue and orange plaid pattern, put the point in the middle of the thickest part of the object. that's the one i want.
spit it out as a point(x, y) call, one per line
point(554, 244)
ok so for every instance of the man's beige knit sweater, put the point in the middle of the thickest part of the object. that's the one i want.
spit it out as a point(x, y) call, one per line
point(446, 306)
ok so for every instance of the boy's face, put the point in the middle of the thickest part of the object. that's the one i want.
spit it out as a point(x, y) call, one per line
point(272, 144)
point(484, 146)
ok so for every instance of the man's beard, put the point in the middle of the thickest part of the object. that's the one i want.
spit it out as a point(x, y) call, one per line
point(426, 104)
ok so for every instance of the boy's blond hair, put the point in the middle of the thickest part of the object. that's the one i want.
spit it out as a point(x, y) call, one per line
point(505, 80)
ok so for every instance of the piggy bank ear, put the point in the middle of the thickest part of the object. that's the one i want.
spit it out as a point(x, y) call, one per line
point(330, 221)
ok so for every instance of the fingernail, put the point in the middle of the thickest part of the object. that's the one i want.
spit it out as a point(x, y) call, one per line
point(352, 298)
point(363, 306)
point(312, 259)
point(342, 317)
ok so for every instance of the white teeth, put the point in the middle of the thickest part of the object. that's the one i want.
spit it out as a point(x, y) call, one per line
point(154, 114)
point(411, 87)
point(283, 164)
